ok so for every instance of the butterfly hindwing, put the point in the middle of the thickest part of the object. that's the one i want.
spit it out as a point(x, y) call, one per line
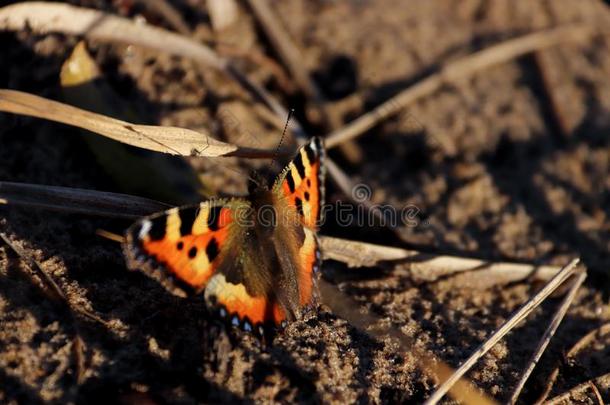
point(301, 183)
point(309, 260)
point(182, 247)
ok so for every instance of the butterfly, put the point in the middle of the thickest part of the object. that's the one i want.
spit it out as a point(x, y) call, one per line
point(256, 259)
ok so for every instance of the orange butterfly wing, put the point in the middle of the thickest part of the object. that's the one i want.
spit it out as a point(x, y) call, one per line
point(301, 187)
point(207, 248)
point(181, 248)
point(301, 184)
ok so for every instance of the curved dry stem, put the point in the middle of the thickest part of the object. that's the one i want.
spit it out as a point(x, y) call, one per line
point(566, 397)
point(459, 70)
point(578, 346)
point(427, 267)
point(43, 17)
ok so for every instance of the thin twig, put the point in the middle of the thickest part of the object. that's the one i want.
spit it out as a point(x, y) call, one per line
point(564, 398)
point(292, 58)
point(548, 335)
point(78, 351)
point(286, 49)
point(459, 70)
point(110, 235)
point(517, 317)
point(543, 60)
point(260, 59)
point(56, 292)
point(577, 347)
point(596, 392)
point(343, 306)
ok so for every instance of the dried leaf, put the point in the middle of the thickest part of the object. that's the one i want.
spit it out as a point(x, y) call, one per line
point(77, 200)
point(173, 140)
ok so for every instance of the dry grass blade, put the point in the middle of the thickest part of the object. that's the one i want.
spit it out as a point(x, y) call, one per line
point(566, 397)
point(42, 17)
point(464, 391)
point(78, 349)
point(459, 70)
point(578, 346)
point(222, 13)
point(517, 317)
point(425, 267)
point(548, 335)
point(173, 140)
point(76, 200)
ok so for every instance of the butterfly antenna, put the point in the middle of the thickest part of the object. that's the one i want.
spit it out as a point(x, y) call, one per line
point(277, 149)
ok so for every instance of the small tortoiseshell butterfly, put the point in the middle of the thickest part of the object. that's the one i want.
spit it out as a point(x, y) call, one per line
point(256, 260)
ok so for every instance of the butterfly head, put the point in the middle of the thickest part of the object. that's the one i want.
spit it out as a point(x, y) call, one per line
point(257, 183)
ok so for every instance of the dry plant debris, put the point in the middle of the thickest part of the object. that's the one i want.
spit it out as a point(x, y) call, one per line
point(401, 273)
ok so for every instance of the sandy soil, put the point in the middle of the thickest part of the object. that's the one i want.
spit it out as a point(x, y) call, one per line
point(492, 172)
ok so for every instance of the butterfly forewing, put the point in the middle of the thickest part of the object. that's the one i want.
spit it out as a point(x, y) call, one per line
point(182, 247)
point(301, 183)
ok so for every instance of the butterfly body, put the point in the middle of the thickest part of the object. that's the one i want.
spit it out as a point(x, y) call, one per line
point(256, 260)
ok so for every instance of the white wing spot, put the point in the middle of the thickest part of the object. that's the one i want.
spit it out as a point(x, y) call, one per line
point(146, 225)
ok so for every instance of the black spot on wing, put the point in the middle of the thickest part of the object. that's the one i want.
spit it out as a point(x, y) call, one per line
point(157, 229)
point(187, 219)
point(214, 217)
point(192, 252)
point(306, 196)
point(299, 204)
point(290, 181)
point(298, 163)
point(212, 250)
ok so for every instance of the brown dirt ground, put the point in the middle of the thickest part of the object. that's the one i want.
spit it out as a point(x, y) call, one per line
point(485, 161)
